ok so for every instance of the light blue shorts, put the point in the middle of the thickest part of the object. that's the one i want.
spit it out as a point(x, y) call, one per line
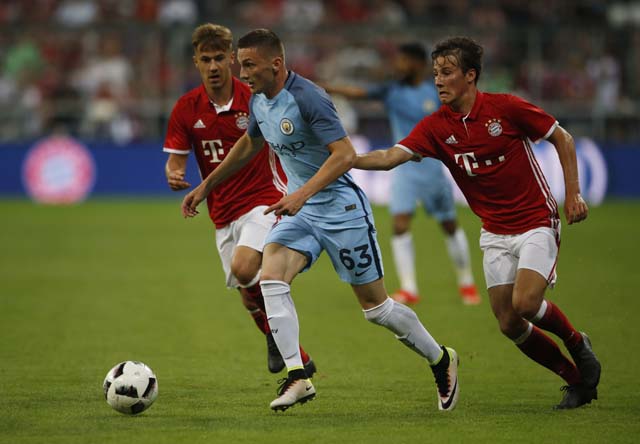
point(352, 245)
point(424, 182)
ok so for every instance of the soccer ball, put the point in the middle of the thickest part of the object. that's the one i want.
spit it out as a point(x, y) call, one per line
point(130, 387)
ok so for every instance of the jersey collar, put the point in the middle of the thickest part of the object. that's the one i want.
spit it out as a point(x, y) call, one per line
point(475, 109)
point(290, 78)
point(232, 104)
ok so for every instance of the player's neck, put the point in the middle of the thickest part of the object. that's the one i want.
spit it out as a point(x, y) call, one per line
point(221, 96)
point(278, 85)
point(465, 104)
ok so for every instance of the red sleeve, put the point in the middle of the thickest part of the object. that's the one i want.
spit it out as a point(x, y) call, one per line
point(419, 139)
point(177, 140)
point(534, 122)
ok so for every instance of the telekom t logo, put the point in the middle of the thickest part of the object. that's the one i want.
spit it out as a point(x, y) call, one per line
point(214, 149)
point(470, 163)
point(466, 164)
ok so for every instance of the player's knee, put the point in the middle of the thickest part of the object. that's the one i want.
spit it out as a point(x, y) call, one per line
point(526, 305)
point(510, 326)
point(401, 224)
point(449, 226)
point(379, 314)
point(244, 273)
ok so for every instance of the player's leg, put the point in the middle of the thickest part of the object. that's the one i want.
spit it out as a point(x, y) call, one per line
point(249, 234)
point(538, 250)
point(404, 323)
point(402, 207)
point(355, 255)
point(226, 241)
point(438, 201)
point(500, 267)
point(245, 266)
point(532, 341)
point(290, 249)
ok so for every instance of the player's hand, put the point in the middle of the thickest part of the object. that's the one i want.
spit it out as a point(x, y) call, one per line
point(575, 208)
point(191, 201)
point(289, 205)
point(176, 181)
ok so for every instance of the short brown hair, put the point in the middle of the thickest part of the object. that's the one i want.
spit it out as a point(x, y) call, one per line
point(213, 37)
point(264, 39)
point(464, 49)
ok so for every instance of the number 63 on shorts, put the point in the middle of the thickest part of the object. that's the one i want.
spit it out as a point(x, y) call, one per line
point(351, 245)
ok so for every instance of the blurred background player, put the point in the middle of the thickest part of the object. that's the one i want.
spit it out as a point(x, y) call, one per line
point(324, 210)
point(484, 139)
point(208, 120)
point(407, 100)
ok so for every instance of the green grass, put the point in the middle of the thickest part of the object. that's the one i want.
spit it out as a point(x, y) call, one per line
point(82, 288)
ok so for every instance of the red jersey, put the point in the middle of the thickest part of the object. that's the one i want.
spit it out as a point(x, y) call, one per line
point(195, 124)
point(489, 155)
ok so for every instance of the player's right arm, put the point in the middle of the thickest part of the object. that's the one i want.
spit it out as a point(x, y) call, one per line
point(175, 170)
point(385, 159)
point(242, 152)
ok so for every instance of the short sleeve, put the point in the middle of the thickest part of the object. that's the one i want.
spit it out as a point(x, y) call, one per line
point(534, 122)
point(177, 140)
point(253, 130)
point(419, 140)
point(318, 111)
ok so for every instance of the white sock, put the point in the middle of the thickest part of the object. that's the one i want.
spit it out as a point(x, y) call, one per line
point(404, 322)
point(458, 249)
point(405, 260)
point(283, 320)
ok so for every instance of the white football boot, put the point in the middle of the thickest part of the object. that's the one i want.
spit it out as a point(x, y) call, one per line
point(291, 392)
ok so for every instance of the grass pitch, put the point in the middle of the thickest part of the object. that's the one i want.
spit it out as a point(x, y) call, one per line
point(85, 287)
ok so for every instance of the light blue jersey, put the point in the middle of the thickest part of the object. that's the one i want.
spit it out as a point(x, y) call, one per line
point(414, 181)
point(299, 123)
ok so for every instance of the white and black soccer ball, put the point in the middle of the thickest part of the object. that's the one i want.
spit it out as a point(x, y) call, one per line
point(130, 387)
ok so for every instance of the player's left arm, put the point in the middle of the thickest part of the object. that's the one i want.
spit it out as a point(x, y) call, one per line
point(575, 208)
point(175, 170)
point(341, 158)
point(242, 152)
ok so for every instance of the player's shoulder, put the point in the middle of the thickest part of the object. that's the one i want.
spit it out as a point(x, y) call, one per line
point(501, 100)
point(438, 115)
point(303, 89)
point(191, 99)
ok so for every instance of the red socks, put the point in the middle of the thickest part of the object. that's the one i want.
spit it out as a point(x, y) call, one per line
point(554, 320)
point(541, 348)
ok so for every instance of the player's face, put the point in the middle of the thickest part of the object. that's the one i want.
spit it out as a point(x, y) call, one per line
point(257, 69)
point(405, 67)
point(452, 84)
point(214, 66)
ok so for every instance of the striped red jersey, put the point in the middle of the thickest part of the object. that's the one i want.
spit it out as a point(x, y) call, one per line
point(489, 154)
point(210, 131)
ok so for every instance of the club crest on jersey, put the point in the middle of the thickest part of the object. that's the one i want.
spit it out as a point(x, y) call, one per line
point(242, 120)
point(494, 127)
point(286, 126)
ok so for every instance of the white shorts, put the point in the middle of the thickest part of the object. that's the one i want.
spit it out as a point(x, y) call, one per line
point(249, 230)
point(504, 255)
